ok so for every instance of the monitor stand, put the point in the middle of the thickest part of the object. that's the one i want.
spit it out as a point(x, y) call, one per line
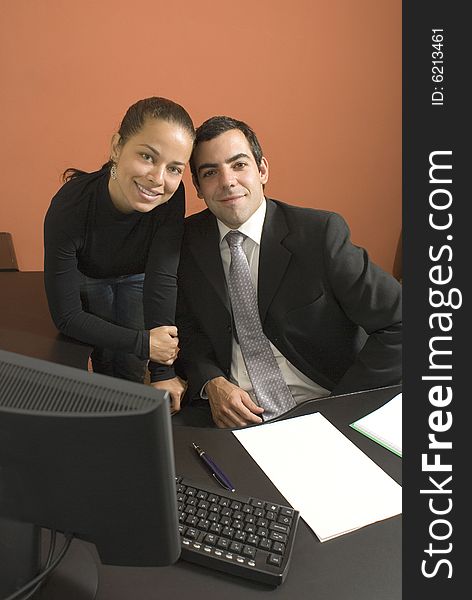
point(76, 576)
point(22, 545)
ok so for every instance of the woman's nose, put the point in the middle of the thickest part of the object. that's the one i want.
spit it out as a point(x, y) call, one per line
point(156, 174)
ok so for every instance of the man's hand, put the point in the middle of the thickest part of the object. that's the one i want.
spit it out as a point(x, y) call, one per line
point(163, 344)
point(230, 405)
point(176, 388)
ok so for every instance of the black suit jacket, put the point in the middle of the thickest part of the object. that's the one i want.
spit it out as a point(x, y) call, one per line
point(330, 311)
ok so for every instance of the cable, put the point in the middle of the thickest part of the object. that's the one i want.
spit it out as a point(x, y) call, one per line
point(52, 548)
point(19, 594)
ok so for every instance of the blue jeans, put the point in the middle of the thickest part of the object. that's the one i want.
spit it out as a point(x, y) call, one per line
point(118, 300)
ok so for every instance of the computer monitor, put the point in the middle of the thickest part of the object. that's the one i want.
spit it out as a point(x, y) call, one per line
point(85, 454)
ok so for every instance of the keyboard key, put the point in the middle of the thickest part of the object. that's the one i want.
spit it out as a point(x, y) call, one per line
point(252, 539)
point(278, 548)
point(274, 559)
point(236, 547)
point(257, 502)
point(240, 536)
point(191, 533)
point(216, 528)
point(279, 527)
point(265, 544)
point(223, 543)
point(203, 524)
point(278, 537)
point(210, 538)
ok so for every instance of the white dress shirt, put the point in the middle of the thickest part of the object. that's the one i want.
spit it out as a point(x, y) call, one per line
point(301, 387)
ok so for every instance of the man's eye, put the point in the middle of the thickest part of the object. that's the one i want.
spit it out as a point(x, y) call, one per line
point(208, 173)
point(239, 165)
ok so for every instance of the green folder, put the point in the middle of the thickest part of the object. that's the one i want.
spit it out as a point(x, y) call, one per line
point(384, 425)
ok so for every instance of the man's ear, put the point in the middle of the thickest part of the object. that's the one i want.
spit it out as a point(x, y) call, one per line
point(197, 187)
point(115, 147)
point(264, 170)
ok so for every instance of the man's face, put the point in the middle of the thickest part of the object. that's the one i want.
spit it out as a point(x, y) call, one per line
point(229, 179)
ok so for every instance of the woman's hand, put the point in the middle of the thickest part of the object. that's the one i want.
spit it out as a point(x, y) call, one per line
point(163, 344)
point(176, 388)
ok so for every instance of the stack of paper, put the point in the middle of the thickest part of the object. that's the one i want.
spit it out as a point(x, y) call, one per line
point(384, 425)
point(334, 485)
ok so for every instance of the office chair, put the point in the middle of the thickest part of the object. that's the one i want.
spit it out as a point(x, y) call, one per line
point(398, 262)
point(7, 253)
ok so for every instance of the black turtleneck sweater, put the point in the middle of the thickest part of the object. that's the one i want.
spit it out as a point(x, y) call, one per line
point(85, 233)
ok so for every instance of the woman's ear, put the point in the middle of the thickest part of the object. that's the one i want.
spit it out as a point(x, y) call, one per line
point(115, 147)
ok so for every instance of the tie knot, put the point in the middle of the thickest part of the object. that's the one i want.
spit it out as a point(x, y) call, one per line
point(234, 238)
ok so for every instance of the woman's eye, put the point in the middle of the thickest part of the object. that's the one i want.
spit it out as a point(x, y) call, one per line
point(175, 170)
point(147, 157)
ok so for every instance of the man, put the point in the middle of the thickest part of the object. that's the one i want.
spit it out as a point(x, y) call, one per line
point(330, 318)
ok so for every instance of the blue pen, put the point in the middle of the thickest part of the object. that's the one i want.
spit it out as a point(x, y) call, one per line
point(214, 469)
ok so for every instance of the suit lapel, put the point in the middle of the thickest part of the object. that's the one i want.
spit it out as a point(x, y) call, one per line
point(273, 258)
point(205, 249)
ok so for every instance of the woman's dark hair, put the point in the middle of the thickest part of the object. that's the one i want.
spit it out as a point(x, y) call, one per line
point(135, 117)
point(215, 126)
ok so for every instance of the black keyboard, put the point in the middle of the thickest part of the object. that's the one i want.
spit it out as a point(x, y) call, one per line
point(240, 535)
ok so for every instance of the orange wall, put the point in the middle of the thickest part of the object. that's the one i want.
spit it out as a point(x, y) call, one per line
point(319, 81)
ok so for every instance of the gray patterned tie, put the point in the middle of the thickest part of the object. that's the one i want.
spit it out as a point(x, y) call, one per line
point(269, 386)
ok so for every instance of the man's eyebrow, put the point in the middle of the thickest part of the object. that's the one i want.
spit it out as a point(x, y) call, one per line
point(156, 152)
point(227, 161)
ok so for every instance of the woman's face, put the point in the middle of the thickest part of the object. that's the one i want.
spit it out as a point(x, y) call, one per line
point(149, 165)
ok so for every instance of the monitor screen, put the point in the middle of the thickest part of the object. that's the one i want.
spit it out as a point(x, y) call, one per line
point(87, 455)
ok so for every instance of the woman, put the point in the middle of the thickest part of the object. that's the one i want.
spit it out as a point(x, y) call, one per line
point(112, 243)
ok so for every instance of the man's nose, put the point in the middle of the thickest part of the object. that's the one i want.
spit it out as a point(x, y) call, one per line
point(228, 178)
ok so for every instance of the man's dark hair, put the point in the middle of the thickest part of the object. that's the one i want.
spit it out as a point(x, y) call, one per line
point(215, 126)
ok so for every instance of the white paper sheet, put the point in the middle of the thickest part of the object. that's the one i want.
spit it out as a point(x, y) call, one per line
point(334, 485)
point(384, 425)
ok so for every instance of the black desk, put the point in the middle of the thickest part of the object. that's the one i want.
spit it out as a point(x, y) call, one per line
point(26, 326)
point(363, 565)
